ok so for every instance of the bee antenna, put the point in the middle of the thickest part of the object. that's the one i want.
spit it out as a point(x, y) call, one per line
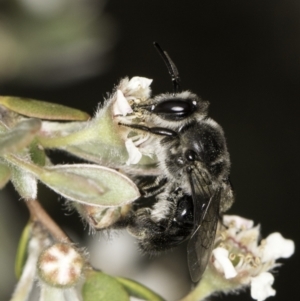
point(173, 71)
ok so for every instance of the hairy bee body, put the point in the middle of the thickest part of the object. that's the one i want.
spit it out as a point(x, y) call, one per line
point(192, 189)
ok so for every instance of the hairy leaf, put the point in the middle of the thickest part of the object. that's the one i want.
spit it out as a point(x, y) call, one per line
point(20, 136)
point(90, 184)
point(42, 109)
point(22, 250)
point(85, 183)
point(101, 287)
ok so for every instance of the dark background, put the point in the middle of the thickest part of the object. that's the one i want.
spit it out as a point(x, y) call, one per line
point(242, 56)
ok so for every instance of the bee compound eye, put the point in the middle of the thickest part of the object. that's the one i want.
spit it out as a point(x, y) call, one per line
point(174, 108)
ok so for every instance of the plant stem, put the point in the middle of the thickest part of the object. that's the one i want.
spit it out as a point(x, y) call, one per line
point(38, 214)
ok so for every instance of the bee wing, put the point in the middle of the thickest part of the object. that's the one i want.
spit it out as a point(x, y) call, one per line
point(206, 214)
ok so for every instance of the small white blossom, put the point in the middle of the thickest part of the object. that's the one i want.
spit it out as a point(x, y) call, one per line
point(241, 258)
point(261, 286)
point(129, 92)
point(137, 83)
point(136, 90)
point(134, 153)
point(127, 109)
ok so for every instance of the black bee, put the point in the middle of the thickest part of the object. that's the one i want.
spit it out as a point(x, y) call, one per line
point(193, 188)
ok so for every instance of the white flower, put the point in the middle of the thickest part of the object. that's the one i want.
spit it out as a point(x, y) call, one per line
point(243, 259)
point(129, 92)
point(137, 83)
point(126, 111)
point(261, 286)
point(137, 89)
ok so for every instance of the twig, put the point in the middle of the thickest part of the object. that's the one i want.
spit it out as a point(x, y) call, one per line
point(38, 214)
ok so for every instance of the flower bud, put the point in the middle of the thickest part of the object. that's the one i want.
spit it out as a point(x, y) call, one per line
point(60, 265)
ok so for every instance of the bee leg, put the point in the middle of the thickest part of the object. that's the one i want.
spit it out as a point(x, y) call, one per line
point(154, 188)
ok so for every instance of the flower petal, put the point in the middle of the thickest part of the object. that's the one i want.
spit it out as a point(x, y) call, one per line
point(222, 262)
point(277, 247)
point(238, 221)
point(261, 286)
point(137, 82)
point(134, 153)
point(121, 105)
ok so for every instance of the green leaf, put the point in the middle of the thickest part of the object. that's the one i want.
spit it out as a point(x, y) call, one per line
point(94, 140)
point(101, 287)
point(4, 175)
point(22, 250)
point(90, 184)
point(20, 136)
point(100, 153)
point(42, 109)
point(138, 290)
point(85, 183)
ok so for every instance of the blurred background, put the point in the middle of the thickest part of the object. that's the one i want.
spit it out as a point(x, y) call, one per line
point(242, 56)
